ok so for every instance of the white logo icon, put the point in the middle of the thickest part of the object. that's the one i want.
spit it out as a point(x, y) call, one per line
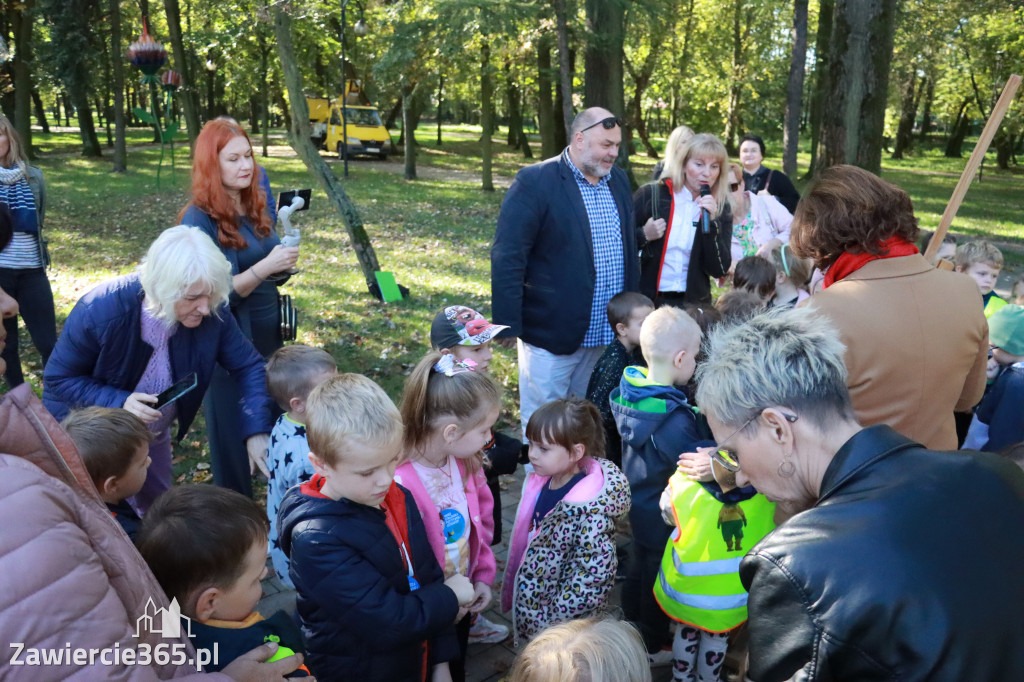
point(165, 622)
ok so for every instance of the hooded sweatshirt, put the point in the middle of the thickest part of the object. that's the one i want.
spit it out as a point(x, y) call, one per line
point(657, 425)
point(567, 569)
point(361, 619)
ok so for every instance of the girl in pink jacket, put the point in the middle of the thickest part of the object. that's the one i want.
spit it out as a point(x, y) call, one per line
point(561, 560)
point(448, 411)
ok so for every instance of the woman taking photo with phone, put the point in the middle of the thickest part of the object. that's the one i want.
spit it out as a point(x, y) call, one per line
point(231, 207)
point(132, 337)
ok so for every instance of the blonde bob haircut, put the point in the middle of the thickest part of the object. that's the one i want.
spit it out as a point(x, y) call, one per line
point(703, 146)
point(349, 409)
point(586, 650)
point(15, 152)
point(674, 147)
point(180, 258)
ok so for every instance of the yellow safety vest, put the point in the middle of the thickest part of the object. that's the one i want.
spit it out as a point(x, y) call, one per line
point(993, 305)
point(699, 582)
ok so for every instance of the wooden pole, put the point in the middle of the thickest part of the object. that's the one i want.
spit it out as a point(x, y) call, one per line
point(977, 156)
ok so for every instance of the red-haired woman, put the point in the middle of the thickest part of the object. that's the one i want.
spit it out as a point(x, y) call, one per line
point(229, 205)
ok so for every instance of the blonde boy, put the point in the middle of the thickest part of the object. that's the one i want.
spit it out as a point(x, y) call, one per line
point(371, 594)
point(982, 262)
point(656, 424)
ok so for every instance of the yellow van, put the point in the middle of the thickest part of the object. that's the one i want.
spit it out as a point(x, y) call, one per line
point(366, 133)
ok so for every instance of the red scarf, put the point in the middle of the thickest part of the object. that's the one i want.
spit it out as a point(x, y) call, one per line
point(849, 263)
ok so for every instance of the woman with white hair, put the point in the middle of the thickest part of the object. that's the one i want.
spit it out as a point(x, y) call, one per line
point(132, 337)
point(896, 557)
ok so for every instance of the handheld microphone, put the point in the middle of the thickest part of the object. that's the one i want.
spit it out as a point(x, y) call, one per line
point(705, 217)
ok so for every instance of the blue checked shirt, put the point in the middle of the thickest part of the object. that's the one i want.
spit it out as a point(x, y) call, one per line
point(606, 235)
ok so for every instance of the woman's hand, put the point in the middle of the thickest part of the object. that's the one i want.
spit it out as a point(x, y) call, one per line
point(697, 465)
point(765, 250)
point(257, 448)
point(482, 592)
point(708, 203)
point(279, 259)
point(654, 229)
point(138, 404)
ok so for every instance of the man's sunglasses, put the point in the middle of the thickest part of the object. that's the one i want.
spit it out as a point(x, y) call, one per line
point(607, 123)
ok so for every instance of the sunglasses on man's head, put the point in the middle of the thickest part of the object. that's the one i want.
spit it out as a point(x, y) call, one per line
point(607, 123)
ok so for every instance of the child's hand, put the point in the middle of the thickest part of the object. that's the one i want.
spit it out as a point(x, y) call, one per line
point(482, 592)
point(463, 589)
point(442, 673)
point(992, 369)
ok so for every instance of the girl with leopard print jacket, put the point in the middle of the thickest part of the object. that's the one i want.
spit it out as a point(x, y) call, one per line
point(561, 559)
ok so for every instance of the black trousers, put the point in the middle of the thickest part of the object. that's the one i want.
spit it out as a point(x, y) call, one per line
point(31, 289)
point(638, 602)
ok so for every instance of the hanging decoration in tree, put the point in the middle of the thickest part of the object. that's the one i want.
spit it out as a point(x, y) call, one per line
point(148, 56)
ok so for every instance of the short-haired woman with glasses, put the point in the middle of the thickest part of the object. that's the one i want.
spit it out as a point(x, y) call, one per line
point(893, 554)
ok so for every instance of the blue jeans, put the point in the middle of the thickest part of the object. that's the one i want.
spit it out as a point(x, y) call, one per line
point(31, 289)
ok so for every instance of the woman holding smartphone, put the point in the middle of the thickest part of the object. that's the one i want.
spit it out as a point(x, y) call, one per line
point(231, 207)
point(131, 338)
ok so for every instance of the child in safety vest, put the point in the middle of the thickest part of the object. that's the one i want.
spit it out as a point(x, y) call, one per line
point(699, 584)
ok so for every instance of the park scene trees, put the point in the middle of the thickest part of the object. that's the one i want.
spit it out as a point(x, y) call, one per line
point(470, 91)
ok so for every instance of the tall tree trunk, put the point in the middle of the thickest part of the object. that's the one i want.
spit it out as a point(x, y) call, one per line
point(117, 85)
point(264, 89)
point(603, 64)
point(561, 130)
point(409, 130)
point(303, 145)
point(680, 99)
point(854, 115)
point(486, 117)
point(826, 10)
point(545, 107)
point(40, 113)
point(440, 105)
point(660, 30)
point(955, 143)
point(188, 92)
point(929, 97)
point(732, 119)
point(516, 134)
point(21, 23)
point(564, 66)
point(908, 113)
point(794, 88)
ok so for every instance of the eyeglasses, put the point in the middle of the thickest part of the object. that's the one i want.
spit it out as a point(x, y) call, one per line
point(733, 186)
point(607, 123)
point(727, 457)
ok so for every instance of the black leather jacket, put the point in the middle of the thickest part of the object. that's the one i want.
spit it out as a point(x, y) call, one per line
point(909, 567)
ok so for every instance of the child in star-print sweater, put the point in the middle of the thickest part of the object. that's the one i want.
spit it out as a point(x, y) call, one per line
point(292, 373)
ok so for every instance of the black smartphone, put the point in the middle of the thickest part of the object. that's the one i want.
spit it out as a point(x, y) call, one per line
point(285, 198)
point(178, 389)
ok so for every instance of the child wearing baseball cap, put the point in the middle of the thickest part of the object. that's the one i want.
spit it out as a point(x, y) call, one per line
point(467, 335)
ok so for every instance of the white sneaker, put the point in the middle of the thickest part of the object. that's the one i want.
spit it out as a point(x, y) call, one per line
point(660, 658)
point(484, 631)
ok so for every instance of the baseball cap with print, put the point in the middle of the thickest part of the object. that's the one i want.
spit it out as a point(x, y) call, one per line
point(458, 325)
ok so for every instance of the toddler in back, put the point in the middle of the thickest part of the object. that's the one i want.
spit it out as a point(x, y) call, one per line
point(627, 311)
point(586, 650)
point(292, 372)
point(114, 445)
point(982, 261)
point(791, 276)
point(561, 559)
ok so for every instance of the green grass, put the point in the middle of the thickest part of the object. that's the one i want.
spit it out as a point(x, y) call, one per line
point(434, 234)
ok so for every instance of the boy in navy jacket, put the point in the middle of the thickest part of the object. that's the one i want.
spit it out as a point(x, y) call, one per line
point(372, 599)
point(657, 424)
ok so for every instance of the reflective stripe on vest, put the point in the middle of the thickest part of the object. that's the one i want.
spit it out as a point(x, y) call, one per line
point(699, 582)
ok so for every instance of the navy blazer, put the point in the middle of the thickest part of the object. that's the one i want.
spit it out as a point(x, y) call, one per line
point(100, 357)
point(542, 260)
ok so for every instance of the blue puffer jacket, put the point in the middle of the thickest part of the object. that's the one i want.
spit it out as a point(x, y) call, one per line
point(100, 357)
point(359, 617)
point(657, 425)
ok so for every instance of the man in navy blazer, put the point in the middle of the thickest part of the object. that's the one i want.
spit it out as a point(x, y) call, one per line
point(565, 244)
